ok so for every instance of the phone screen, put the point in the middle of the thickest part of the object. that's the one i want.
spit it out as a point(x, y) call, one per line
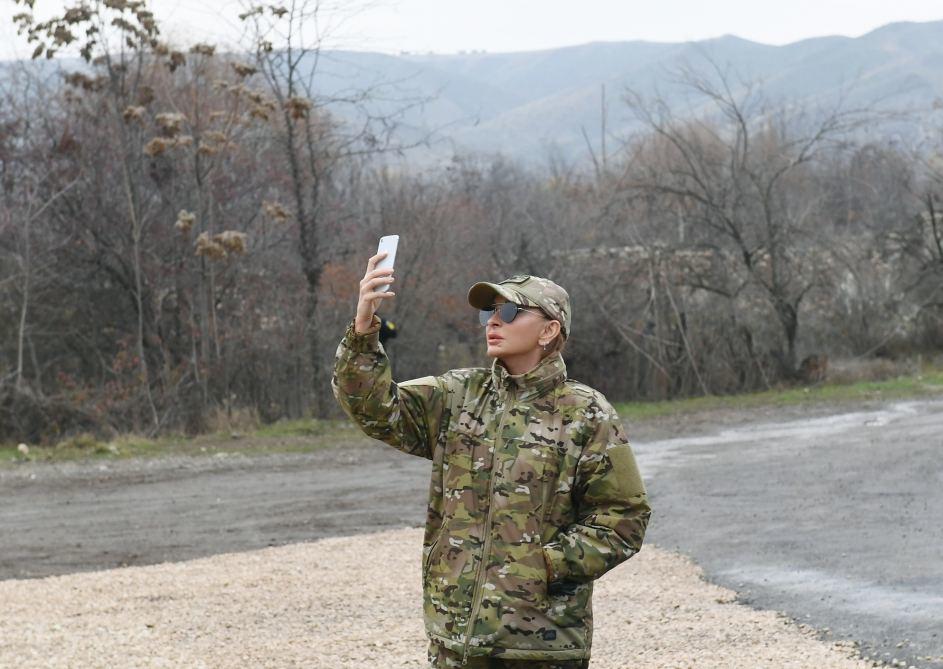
point(388, 243)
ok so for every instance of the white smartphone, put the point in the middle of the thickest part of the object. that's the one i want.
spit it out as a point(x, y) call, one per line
point(388, 243)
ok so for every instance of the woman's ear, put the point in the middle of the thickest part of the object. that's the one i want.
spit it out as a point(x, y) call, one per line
point(551, 330)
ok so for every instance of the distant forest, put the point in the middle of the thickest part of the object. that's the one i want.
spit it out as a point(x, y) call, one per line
point(182, 233)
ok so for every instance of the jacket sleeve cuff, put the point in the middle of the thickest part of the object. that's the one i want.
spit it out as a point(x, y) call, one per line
point(364, 342)
point(556, 562)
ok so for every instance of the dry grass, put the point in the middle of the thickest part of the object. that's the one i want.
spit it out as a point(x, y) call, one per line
point(856, 370)
point(242, 420)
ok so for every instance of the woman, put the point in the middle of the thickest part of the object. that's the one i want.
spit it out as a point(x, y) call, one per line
point(534, 491)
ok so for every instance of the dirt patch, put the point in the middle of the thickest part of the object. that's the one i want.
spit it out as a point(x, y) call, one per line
point(331, 604)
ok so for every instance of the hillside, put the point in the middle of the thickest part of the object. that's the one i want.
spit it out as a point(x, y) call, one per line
point(527, 104)
point(523, 103)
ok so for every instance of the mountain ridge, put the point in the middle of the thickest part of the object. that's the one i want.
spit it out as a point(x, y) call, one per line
point(525, 104)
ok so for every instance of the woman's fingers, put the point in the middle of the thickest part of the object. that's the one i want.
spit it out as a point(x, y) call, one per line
point(369, 297)
point(374, 259)
point(373, 283)
point(375, 274)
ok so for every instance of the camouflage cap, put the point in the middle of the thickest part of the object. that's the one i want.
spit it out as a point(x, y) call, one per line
point(526, 290)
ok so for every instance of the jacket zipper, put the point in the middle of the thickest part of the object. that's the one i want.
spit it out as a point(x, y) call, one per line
point(479, 587)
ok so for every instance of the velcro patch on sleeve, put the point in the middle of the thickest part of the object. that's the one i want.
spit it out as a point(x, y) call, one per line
point(625, 470)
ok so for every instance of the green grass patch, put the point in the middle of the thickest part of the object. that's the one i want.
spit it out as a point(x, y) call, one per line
point(929, 383)
point(305, 427)
point(299, 436)
point(310, 434)
point(87, 447)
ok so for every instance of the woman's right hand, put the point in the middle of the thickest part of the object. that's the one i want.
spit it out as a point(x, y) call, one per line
point(370, 297)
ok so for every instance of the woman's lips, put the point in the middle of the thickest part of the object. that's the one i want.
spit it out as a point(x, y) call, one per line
point(494, 338)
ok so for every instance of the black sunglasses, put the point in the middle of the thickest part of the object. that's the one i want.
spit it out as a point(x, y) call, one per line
point(507, 312)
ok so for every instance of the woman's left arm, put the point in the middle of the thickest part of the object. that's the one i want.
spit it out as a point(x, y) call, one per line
point(406, 415)
point(611, 504)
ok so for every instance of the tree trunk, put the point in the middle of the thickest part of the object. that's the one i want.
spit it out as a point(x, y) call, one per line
point(24, 307)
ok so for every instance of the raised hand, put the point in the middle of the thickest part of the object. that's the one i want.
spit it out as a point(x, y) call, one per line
point(370, 297)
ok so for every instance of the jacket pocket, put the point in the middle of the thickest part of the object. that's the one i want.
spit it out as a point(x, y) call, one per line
point(430, 554)
point(531, 470)
point(527, 613)
point(569, 607)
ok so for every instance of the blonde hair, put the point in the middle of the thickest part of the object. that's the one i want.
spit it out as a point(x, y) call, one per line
point(557, 344)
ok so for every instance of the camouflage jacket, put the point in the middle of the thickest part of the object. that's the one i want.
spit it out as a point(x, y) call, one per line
point(527, 471)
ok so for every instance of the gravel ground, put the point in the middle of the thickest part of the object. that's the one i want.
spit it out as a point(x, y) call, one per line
point(332, 603)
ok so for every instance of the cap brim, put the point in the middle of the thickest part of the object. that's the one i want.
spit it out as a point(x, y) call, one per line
point(481, 295)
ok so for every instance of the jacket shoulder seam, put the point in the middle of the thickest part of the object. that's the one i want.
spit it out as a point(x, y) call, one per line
point(582, 390)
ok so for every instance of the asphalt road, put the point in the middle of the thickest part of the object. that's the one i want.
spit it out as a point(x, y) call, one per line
point(837, 520)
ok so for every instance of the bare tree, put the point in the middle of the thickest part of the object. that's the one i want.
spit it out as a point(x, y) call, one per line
point(737, 176)
point(922, 242)
point(318, 148)
point(115, 35)
point(30, 188)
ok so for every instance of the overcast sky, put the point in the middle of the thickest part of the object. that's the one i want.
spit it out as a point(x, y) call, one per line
point(447, 26)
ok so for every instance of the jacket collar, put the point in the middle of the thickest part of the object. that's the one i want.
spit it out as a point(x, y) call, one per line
point(549, 373)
